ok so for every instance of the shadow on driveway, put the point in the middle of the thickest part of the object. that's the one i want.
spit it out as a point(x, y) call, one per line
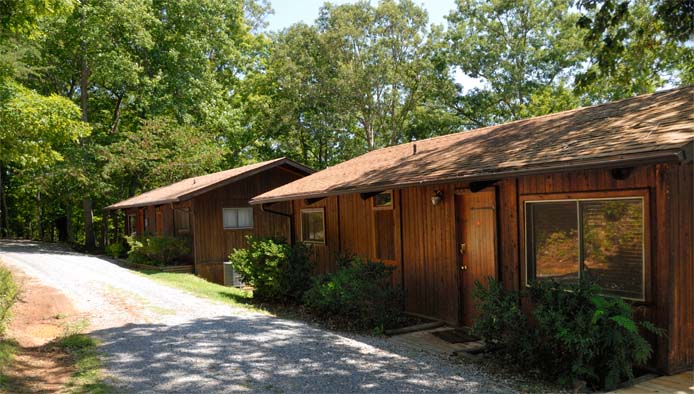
point(269, 355)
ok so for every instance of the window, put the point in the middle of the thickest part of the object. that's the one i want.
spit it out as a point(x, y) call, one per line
point(131, 225)
point(182, 220)
point(238, 218)
point(383, 200)
point(313, 225)
point(597, 239)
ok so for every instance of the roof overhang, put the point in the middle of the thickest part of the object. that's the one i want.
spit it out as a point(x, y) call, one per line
point(677, 154)
point(300, 168)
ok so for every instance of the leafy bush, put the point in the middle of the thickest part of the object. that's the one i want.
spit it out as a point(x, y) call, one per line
point(359, 292)
point(575, 333)
point(116, 250)
point(157, 250)
point(9, 293)
point(501, 322)
point(277, 271)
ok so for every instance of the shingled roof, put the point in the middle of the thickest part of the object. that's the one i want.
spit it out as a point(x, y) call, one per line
point(187, 188)
point(638, 129)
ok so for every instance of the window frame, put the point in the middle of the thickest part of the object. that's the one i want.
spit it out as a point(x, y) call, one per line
point(389, 206)
point(186, 212)
point(237, 209)
point(320, 210)
point(642, 194)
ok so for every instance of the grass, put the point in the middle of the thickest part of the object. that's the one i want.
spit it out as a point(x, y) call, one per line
point(202, 288)
point(87, 377)
point(8, 348)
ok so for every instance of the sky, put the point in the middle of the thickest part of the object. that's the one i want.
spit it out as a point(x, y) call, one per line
point(288, 12)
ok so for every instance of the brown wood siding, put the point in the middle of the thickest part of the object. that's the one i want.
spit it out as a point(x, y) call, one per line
point(676, 188)
point(213, 243)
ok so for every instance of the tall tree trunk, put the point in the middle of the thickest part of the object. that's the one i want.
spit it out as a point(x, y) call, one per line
point(39, 225)
point(89, 240)
point(68, 225)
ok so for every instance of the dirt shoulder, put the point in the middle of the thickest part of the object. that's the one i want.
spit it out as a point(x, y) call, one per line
point(41, 317)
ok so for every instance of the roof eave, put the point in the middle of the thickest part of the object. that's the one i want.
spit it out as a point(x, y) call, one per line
point(638, 158)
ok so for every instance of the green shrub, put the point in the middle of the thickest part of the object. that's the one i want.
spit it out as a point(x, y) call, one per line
point(116, 250)
point(277, 271)
point(360, 293)
point(501, 322)
point(157, 250)
point(575, 332)
point(9, 293)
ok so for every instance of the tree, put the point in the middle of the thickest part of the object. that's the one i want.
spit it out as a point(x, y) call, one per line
point(635, 50)
point(159, 153)
point(34, 129)
point(360, 78)
point(519, 48)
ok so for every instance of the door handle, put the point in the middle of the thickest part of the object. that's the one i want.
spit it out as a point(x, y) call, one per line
point(462, 248)
point(464, 267)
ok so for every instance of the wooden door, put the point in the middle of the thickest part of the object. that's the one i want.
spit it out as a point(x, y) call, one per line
point(476, 244)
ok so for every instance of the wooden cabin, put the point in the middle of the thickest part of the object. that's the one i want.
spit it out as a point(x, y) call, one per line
point(212, 211)
point(603, 192)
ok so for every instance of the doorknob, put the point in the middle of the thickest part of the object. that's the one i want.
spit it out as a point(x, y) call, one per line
point(462, 248)
point(464, 267)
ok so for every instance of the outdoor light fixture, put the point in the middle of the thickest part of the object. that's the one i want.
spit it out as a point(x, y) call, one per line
point(437, 197)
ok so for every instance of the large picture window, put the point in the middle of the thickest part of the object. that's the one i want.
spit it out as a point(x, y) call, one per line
point(237, 218)
point(313, 225)
point(601, 240)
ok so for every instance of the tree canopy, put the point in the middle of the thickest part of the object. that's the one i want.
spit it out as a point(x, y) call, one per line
point(102, 100)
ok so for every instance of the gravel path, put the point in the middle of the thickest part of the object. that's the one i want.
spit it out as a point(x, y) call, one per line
point(157, 339)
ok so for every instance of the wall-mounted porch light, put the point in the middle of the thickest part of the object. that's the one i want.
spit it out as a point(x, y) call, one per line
point(437, 197)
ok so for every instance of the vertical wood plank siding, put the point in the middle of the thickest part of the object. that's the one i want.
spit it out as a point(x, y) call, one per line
point(427, 252)
point(213, 243)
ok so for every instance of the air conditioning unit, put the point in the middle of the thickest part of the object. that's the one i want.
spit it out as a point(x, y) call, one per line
point(231, 277)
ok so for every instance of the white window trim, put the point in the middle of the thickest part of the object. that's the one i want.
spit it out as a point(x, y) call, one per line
point(325, 236)
point(238, 228)
point(577, 200)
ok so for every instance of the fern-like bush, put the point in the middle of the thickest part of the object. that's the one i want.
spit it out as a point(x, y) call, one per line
point(573, 333)
point(276, 270)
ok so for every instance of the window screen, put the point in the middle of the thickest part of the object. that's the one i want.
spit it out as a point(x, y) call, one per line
point(235, 218)
point(600, 240)
point(313, 225)
point(182, 220)
point(132, 229)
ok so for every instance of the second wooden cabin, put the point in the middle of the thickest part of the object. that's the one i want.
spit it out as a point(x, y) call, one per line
point(212, 211)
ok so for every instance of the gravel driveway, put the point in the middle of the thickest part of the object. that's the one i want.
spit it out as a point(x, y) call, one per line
point(157, 339)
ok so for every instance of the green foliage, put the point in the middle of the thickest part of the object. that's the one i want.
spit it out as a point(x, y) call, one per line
point(518, 49)
point(157, 250)
point(360, 293)
point(33, 127)
point(502, 323)
point(9, 294)
point(116, 250)
point(575, 332)
point(277, 271)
